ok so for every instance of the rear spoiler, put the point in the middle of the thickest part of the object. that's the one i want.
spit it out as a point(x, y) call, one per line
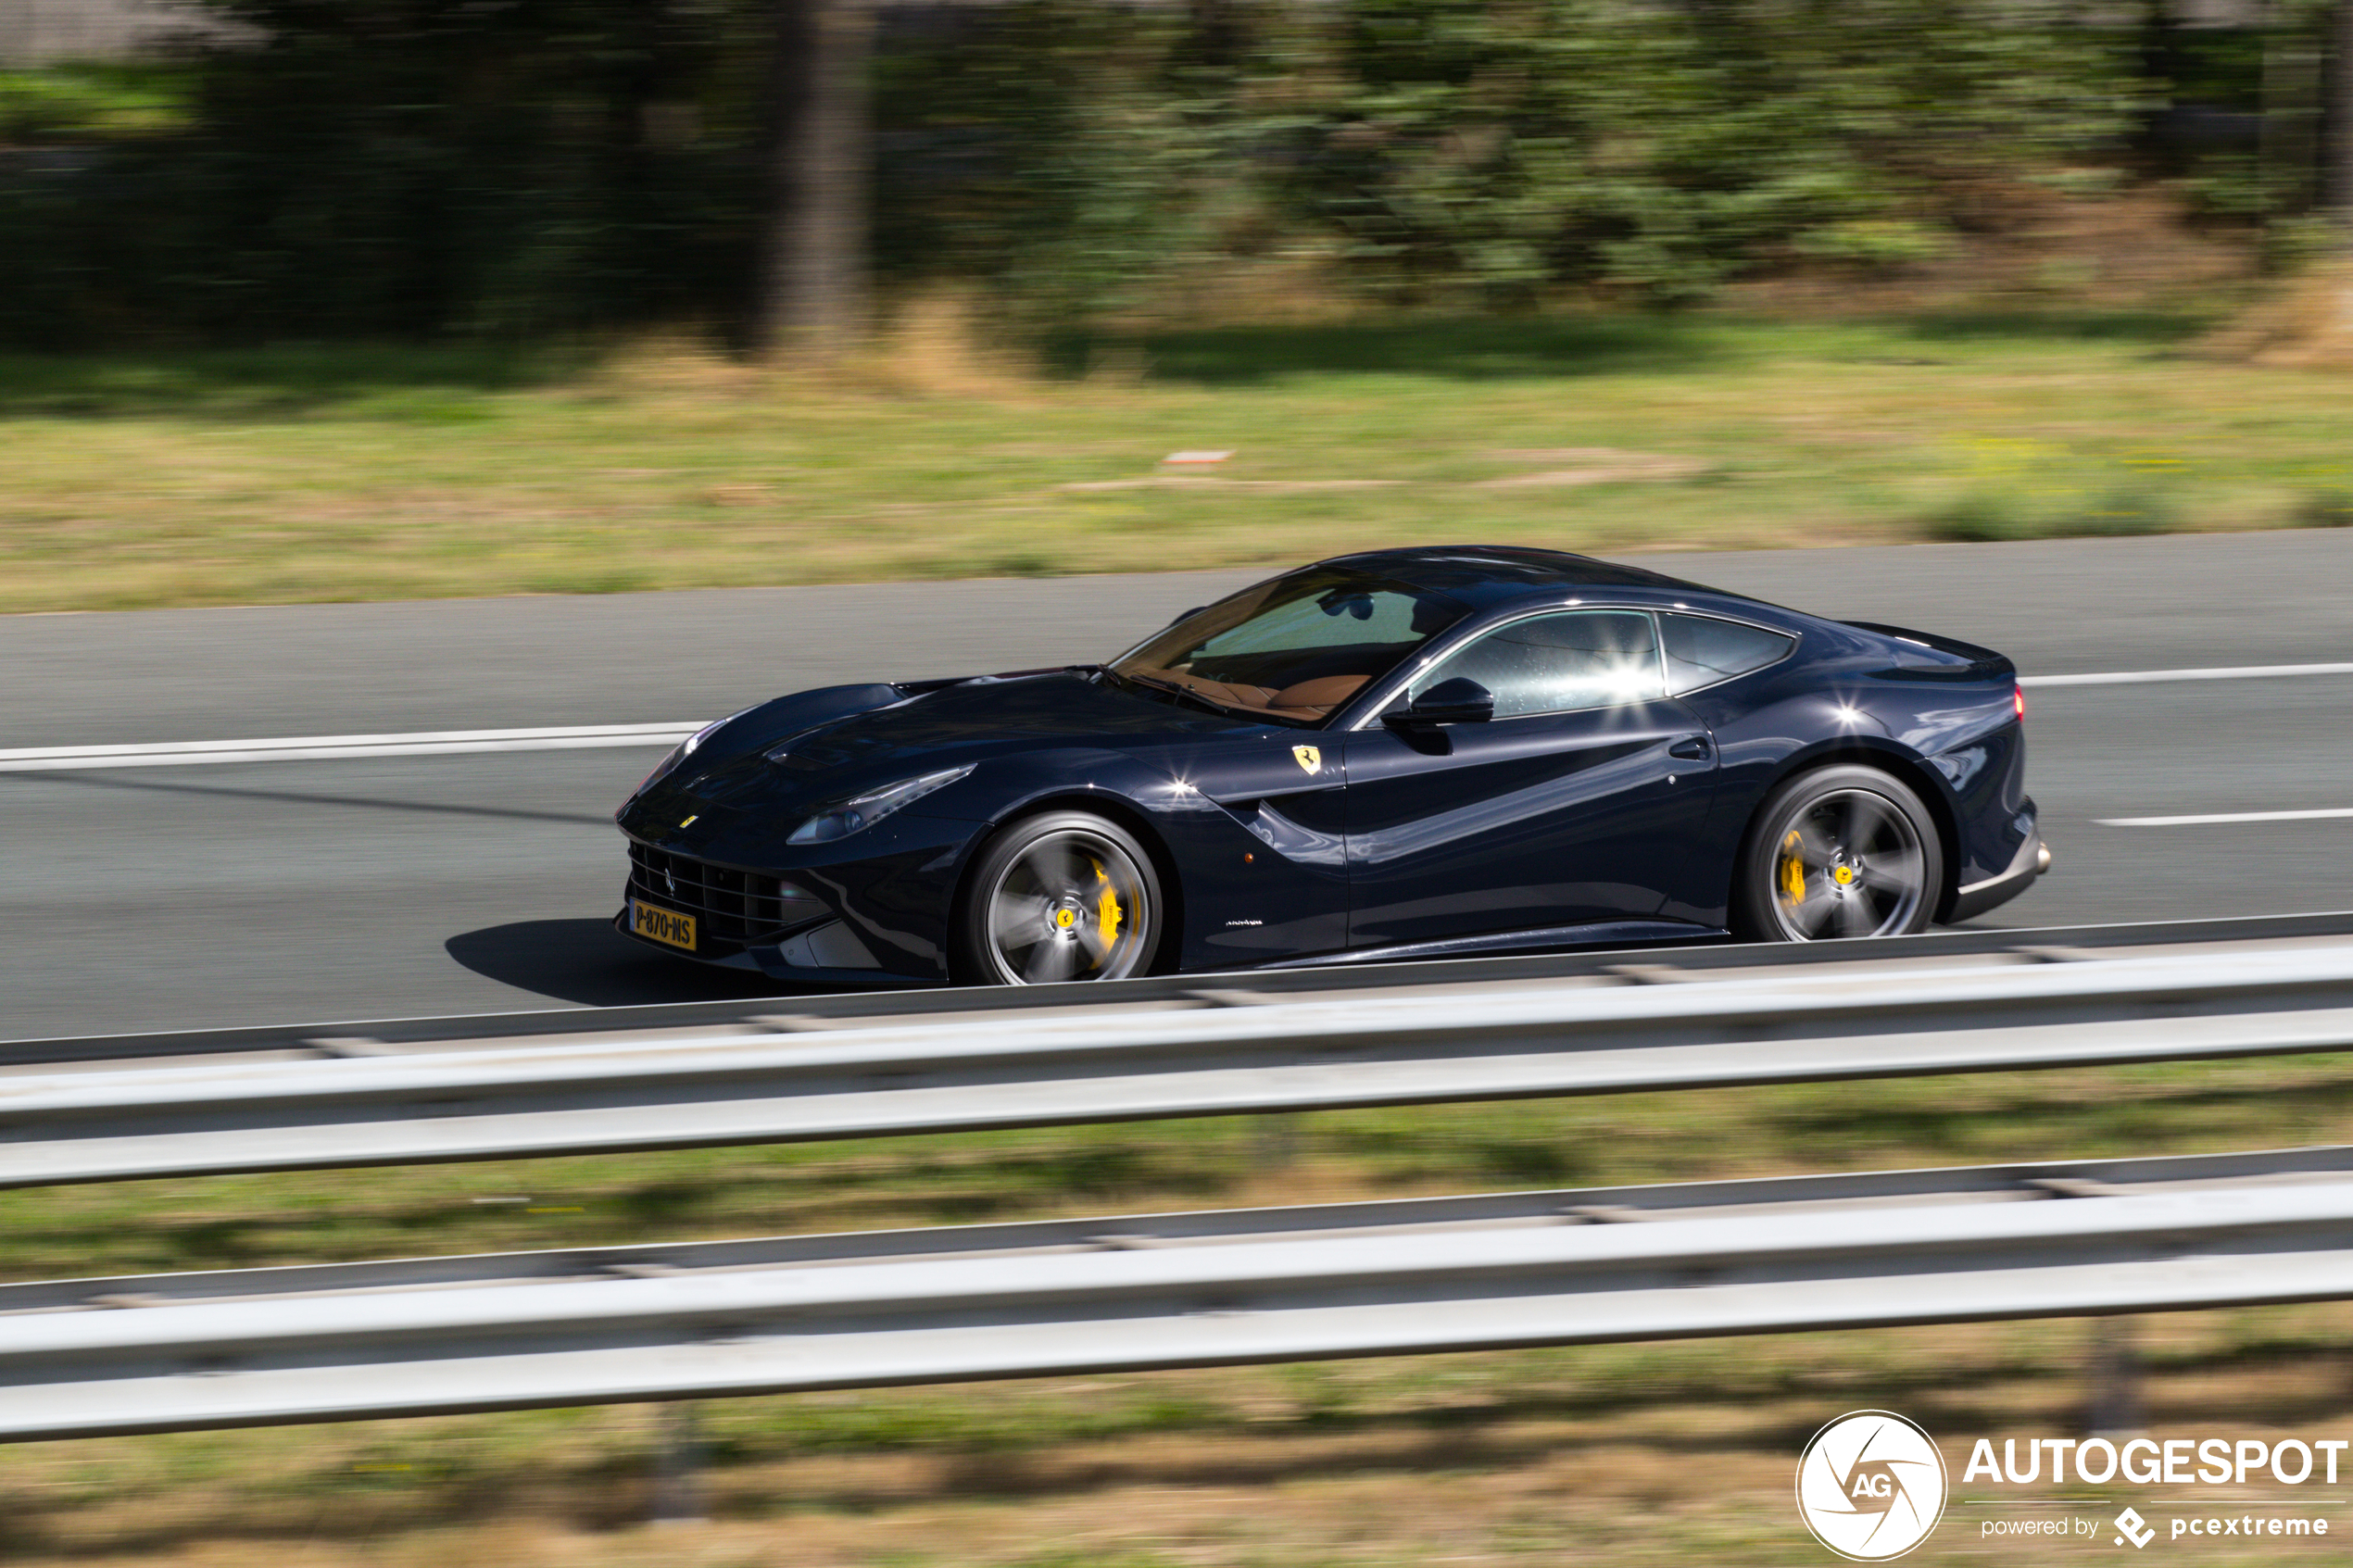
point(1983, 664)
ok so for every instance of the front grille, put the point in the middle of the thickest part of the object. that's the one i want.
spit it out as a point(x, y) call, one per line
point(733, 905)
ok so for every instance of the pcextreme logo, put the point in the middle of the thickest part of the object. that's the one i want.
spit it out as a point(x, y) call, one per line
point(1870, 1486)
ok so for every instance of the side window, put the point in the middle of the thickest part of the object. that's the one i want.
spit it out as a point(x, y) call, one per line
point(1702, 650)
point(1554, 663)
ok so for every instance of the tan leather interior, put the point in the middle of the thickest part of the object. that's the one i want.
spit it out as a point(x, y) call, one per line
point(1303, 699)
point(1321, 695)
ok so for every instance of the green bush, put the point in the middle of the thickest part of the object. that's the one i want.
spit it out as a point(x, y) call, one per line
point(2325, 508)
point(1978, 519)
point(1988, 516)
point(79, 100)
point(2119, 514)
point(1664, 148)
point(1876, 243)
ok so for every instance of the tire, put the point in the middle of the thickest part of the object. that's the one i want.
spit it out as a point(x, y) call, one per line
point(1842, 852)
point(1064, 895)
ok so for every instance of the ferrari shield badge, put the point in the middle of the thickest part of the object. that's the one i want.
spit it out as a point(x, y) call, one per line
point(1307, 756)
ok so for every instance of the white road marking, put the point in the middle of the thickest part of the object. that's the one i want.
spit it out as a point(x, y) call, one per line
point(309, 748)
point(2136, 677)
point(2225, 817)
point(450, 743)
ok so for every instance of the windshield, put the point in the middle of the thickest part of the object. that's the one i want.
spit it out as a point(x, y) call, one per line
point(1295, 648)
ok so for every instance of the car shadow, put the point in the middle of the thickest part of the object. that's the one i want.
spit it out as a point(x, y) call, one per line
point(587, 962)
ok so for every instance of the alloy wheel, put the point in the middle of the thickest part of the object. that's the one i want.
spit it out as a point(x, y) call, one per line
point(1847, 863)
point(1072, 905)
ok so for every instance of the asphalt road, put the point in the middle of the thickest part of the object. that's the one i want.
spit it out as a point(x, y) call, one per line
point(184, 897)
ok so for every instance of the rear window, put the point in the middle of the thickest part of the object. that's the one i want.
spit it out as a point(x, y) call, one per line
point(1702, 650)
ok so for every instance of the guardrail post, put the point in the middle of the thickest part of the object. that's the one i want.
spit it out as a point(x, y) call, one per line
point(678, 1493)
point(1275, 1143)
point(2112, 1408)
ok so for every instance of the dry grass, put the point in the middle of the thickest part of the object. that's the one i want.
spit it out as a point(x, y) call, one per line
point(2306, 325)
point(2090, 251)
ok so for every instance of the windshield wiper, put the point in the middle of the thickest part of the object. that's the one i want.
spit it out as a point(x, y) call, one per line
point(1184, 693)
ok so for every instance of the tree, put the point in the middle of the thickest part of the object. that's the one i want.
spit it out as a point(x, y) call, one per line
point(814, 298)
point(2336, 112)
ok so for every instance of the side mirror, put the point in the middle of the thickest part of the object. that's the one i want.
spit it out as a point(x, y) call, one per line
point(1459, 701)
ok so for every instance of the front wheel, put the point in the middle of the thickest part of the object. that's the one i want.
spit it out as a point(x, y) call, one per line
point(1066, 895)
point(1841, 852)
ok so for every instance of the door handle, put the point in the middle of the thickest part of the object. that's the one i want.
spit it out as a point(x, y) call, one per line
point(1691, 748)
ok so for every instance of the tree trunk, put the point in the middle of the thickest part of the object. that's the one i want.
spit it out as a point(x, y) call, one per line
point(813, 299)
point(2336, 113)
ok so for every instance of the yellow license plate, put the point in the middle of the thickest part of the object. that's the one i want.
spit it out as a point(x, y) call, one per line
point(666, 926)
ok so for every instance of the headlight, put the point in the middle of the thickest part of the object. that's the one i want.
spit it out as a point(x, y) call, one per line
point(845, 817)
point(684, 749)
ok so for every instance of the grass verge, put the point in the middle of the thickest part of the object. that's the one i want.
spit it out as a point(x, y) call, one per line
point(303, 474)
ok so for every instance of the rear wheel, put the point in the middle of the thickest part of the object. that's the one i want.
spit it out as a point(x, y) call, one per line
point(1066, 895)
point(1844, 851)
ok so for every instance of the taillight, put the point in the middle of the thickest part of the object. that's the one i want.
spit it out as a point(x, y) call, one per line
point(2017, 702)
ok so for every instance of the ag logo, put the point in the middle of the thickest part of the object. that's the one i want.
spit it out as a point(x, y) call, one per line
point(1870, 1486)
point(1307, 756)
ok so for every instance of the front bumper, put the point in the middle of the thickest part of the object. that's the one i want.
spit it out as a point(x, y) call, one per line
point(872, 909)
point(828, 954)
point(2033, 857)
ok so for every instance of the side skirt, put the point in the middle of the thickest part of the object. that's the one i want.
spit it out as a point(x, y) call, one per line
point(1601, 933)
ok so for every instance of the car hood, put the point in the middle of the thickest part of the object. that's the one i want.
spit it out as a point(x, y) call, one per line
point(766, 758)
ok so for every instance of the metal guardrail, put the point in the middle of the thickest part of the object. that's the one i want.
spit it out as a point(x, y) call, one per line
point(169, 1352)
point(914, 1005)
point(1206, 1052)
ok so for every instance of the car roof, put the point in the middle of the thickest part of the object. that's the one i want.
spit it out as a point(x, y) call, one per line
point(1483, 576)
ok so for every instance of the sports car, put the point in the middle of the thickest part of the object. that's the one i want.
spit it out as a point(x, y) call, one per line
point(1402, 754)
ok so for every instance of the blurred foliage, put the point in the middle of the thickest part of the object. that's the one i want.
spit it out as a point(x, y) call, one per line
point(1051, 148)
point(77, 100)
point(1664, 149)
point(407, 169)
point(1985, 516)
point(397, 168)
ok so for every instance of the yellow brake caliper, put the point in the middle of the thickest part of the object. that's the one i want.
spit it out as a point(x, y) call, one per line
point(1793, 869)
point(1106, 910)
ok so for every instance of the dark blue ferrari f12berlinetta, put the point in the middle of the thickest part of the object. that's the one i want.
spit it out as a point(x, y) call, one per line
point(1408, 753)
